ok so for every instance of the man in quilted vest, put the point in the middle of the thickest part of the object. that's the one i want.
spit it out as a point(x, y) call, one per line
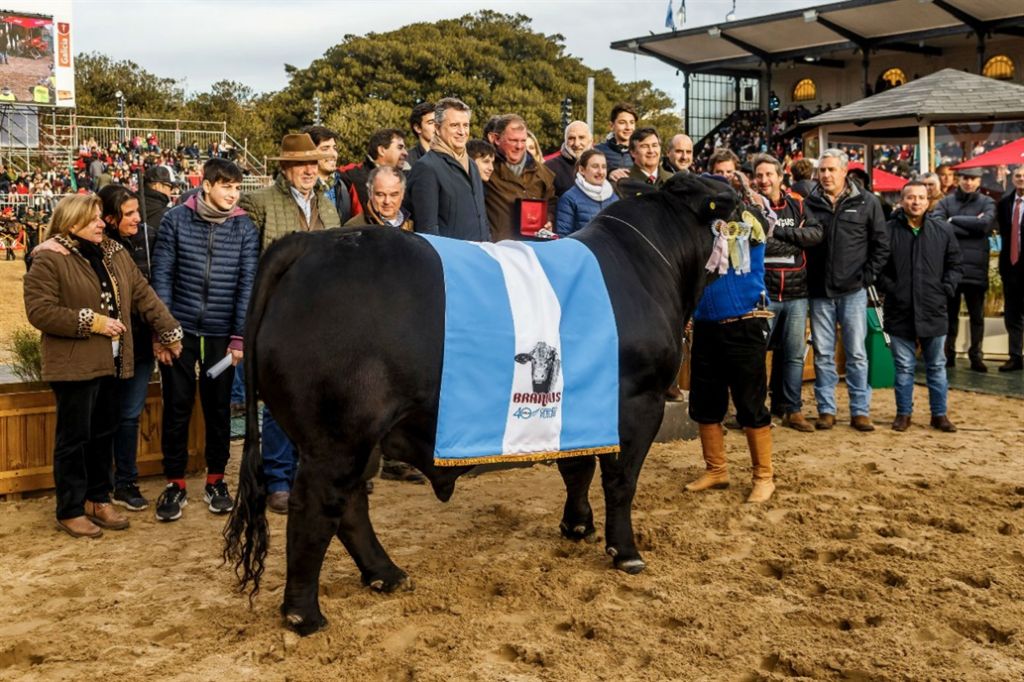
point(295, 202)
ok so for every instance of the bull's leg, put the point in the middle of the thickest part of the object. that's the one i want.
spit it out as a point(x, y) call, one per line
point(577, 516)
point(619, 474)
point(314, 512)
point(356, 532)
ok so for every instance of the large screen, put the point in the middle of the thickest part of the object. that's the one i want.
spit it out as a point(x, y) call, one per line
point(27, 58)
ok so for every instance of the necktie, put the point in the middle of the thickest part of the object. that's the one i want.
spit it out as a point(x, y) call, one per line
point(654, 178)
point(1015, 232)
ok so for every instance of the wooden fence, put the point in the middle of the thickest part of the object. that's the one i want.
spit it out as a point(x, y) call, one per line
point(28, 419)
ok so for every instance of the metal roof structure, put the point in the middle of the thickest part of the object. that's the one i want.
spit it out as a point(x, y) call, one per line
point(943, 96)
point(828, 34)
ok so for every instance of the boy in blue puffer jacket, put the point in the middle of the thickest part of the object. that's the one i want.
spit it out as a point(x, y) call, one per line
point(204, 265)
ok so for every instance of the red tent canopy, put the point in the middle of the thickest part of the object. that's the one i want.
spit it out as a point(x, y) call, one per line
point(27, 22)
point(1009, 154)
point(882, 180)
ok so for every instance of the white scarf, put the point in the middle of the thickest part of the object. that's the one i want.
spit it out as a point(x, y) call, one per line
point(601, 192)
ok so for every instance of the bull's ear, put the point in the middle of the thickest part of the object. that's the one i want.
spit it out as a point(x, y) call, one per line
point(523, 358)
point(721, 205)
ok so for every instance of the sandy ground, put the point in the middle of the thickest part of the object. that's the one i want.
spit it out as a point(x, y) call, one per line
point(883, 556)
point(12, 306)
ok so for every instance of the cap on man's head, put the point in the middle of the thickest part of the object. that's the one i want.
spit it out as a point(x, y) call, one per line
point(155, 174)
point(969, 172)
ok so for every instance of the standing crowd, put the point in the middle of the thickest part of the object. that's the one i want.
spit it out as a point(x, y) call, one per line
point(125, 282)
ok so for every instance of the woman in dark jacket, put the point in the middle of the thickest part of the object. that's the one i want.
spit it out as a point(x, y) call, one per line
point(122, 218)
point(79, 301)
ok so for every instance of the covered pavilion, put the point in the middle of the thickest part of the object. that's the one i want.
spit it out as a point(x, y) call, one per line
point(961, 106)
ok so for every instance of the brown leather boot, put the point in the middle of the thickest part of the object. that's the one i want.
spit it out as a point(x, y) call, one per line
point(760, 443)
point(712, 443)
point(901, 422)
point(105, 515)
point(796, 421)
point(79, 527)
point(825, 421)
point(942, 423)
point(862, 422)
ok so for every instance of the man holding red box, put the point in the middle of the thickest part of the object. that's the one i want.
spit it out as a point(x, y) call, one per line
point(521, 191)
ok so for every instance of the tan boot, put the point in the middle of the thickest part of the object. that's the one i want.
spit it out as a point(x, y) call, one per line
point(105, 515)
point(760, 443)
point(712, 442)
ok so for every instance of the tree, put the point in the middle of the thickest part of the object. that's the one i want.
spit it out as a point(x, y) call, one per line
point(492, 61)
point(98, 78)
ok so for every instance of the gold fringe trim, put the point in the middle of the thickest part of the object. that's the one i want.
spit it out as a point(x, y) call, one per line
point(526, 457)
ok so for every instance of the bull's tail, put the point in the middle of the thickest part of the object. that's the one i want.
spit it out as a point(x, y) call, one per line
point(245, 534)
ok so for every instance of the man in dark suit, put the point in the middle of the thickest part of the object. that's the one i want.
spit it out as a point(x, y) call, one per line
point(1010, 218)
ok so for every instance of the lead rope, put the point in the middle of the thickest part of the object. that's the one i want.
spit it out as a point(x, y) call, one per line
point(642, 236)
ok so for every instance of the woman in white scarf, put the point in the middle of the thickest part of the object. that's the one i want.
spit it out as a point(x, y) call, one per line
point(588, 197)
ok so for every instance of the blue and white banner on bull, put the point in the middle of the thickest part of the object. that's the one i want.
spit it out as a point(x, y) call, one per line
point(531, 354)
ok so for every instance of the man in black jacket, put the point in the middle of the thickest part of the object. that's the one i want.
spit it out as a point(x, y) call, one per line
point(157, 186)
point(922, 272)
point(335, 189)
point(785, 278)
point(421, 123)
point(444, 192)
point(1010, 216)
point(970, 213)
point(855, 248)
point(577, 140)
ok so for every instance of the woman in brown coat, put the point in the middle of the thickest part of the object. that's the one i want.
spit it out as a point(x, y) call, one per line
point(79, 302)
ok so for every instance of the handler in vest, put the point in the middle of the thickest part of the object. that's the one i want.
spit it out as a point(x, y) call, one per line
point(295, 202)
point(730, 338)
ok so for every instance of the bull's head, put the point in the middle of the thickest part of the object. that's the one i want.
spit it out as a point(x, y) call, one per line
point(545, 366)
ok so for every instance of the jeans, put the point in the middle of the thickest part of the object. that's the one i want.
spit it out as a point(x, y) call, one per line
point(86, 420)
point(933, 352)
point(787, 331)
point(850, 311)
point(279, 456)
point(238, 387)
point(179, 397)
point(131, 401)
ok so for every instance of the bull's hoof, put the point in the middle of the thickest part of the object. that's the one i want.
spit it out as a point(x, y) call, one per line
point(304, 626)
point(395, 580)
point(631, 565)
point(577, 532)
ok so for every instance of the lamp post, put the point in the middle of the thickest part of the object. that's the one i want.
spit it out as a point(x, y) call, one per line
point(121, 121)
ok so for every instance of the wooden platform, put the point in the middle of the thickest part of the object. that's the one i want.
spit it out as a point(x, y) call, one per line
point(28, 422)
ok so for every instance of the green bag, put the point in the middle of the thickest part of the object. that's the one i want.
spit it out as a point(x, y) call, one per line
point(881, 368)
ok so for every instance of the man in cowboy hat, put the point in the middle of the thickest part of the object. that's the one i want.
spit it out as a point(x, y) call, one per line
point(295, 202)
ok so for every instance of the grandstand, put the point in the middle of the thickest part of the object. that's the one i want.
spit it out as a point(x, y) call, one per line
point(49, 140)
point(775, 70)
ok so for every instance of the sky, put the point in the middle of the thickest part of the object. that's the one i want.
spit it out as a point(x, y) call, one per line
point(199, 42)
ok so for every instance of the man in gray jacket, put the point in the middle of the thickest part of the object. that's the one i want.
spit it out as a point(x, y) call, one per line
point(971, 214)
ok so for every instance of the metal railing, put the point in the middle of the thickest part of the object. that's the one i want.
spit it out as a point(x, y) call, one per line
point(61, 135)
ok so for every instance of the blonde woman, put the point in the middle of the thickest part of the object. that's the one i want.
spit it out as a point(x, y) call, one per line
point(80, 300)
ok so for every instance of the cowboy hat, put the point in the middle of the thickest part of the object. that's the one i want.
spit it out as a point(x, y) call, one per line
point(298, 147)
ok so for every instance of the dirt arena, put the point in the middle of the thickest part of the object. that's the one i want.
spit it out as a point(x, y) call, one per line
point(882, 557)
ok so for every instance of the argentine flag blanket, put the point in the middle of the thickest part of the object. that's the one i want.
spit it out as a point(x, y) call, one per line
point(531, 353)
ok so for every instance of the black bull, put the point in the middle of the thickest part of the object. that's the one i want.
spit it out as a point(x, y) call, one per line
point(344, 344)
